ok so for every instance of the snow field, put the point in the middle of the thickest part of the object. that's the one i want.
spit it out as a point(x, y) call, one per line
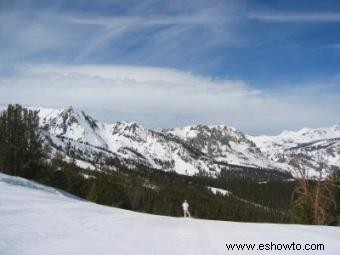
point(40, 220)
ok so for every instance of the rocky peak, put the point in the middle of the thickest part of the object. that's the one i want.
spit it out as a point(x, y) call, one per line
point(220, 142)
point(130, 130)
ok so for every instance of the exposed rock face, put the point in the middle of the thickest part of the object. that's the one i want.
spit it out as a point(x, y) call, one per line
point(224, 144)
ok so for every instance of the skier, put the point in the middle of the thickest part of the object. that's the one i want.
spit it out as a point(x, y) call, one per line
point(185, 207)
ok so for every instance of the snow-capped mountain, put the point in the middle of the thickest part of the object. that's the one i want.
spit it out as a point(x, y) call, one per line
point(314, 143)
point(225, 144)
point(131, 142)
point(68, 123)
point(187, 150)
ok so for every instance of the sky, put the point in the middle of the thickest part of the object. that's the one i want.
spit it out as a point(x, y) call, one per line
point(260, 66)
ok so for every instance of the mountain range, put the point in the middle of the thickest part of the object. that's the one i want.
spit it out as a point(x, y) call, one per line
point(190, 150)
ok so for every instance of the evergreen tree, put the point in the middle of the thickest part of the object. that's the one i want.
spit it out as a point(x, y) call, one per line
point(20, 147)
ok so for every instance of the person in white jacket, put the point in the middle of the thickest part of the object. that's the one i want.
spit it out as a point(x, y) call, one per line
point(185, 207)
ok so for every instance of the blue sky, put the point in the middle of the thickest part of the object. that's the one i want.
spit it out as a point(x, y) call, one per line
point(282, 55)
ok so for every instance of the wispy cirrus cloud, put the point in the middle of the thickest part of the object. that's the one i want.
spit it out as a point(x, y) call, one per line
point(78, 36)
point(156, 26)
point(335, 46)
point(291, 17)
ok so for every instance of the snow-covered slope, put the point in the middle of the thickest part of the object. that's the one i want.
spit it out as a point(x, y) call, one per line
point(75, 125)
point(37, 220)
point(316, 143)
point(155, 148)
point(292, 139)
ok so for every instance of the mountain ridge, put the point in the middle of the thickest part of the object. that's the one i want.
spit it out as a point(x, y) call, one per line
point(193, 149)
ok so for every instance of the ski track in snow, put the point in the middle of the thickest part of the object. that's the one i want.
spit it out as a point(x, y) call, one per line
point(41, 220)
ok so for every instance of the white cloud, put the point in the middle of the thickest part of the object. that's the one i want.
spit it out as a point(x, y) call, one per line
point(313, 17)
point(166, 97)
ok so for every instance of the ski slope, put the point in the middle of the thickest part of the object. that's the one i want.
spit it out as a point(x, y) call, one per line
point(35, 219)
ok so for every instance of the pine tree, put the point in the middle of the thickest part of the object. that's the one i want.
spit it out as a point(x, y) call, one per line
point(20, 146)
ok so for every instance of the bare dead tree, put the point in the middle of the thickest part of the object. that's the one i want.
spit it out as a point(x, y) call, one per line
point(314, 197)
point(301, 195)
point(321, 169)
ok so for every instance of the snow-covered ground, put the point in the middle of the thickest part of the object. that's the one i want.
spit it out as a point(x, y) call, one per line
point(219, 191)
point(35, 219)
